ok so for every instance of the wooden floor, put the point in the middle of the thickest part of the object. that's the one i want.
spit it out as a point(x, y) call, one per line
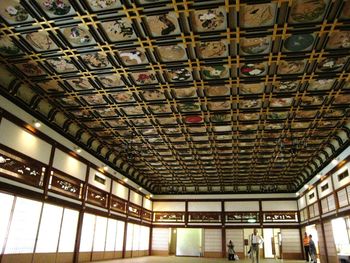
point(173, 259)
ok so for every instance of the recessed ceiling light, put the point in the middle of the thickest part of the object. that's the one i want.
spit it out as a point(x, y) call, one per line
point(297, 194)
point(306, 186)
point(78, 149)
point(140, 188)
point(105, 168)
point(125, 179)
point(37, 124)
point(335, 161)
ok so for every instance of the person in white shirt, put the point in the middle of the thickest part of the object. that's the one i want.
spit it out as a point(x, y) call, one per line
point(255, 241)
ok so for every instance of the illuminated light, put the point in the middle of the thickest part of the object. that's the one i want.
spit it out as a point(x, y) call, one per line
point(297, 194)
point(318, 176)
point(335, 162)
point(37, 124)
point(251, 220)
point(151, 195)
point(78, 149)
point(105, 168)
point(306, 186)
point(125, 180)
point(140, 188)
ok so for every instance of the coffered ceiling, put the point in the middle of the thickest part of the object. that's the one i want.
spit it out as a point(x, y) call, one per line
point(187, 96)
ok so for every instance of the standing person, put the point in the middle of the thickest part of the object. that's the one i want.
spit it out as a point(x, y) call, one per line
point(255, 241)
point(306, 246)
point(312, 249)
point(231, 251)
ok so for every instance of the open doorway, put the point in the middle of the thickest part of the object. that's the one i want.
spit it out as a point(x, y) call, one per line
point(189, 242)
point(312, 230)
point(272, 242)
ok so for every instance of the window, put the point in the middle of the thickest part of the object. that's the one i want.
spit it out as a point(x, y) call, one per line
point(49, 228)
point(6, 202)
point(68, 230)
point(311, 195)
point(341, 230)
point(324, 187)
point(24, 226)
point(343, 175)
point(87, 233)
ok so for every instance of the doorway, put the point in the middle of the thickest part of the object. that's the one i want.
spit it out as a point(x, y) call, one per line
point(189, 242)
point(272, 242)
point(311, 230)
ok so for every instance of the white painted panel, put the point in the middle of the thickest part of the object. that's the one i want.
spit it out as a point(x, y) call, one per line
point(311, 196)
point(147, 203)
point(321, 193)
point(135, 198)
point(279, 205)
point(204, 206)
point(96, 179)
point(291, 241)
point(343, 182)
point(316, 209)
point(236, 236)
point(189, 242)
point(160, 239)
point(120, 190)
point(66, 163)
point(169, 206)
point(343, 197)
point(241, 206)
point(302, 202)
point(212, 240)
point(22, 141)
point(324, 205)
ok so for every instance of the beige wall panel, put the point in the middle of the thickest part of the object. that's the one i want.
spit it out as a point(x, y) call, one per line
point(147, 203)
point(279, 205)
point(240, 206)
point(66, 163)
point(311, 196)
point(107, 184)
point(321, 247)
point(128, 254)
point(160, 239)
point(329, 190)
point(204, 206)
point(118, 254)
point(343, 182)
point(17, 258)
point(135, 198)
point(108, 255)
point(302, 202)
point(169, 206)
point(22, 141)
point(120, 190)
point(343, 198)
point(213, 254)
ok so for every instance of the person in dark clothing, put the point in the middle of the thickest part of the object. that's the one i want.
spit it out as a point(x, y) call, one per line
point(312, 250)
point(306, 246)
point(231, 251)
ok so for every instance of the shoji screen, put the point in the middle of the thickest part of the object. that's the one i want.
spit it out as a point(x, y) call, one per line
point(137, 241)
point(212, 243)
point(6, 202)
point(331, 248)
point(236, 236)
point(291, 246)
point(160, 241)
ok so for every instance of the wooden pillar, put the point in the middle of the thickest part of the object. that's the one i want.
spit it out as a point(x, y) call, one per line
point(223, 229)
point(126, 225)
point(321, 223)
point(48, 171)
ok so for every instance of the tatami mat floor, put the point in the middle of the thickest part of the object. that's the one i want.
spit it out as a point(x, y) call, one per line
point(173, 259)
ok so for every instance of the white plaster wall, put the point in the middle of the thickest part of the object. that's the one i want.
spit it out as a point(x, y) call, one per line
point(241, 206)
point(105, 187)
point(343, 182)
point(302, 202)
point(313, 199)
point(24, 142)
point(135, 198)
point(147, 203)
point(66, 163)
point(169, 206)
point(279, 205)
point(120, 190)
point(204, 206)
point(328, 181)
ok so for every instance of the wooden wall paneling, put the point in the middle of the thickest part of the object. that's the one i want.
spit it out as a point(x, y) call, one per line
point(223, 230)
point(237, 238)
point(321, 243)
point(213, 243)
point(160, 241)
point(291, 246)
point(322, 228)
point(48, 169)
